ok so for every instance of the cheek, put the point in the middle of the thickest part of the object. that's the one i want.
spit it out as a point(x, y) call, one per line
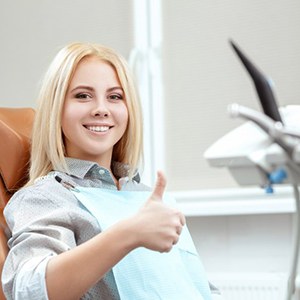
point(71, 114)
point(122, 115)
point(68, 124)
point(66, 120)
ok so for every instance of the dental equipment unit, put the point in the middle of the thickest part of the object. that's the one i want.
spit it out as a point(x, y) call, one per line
point(264, 151)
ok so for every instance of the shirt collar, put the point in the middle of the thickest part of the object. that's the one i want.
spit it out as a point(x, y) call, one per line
point(83, 168)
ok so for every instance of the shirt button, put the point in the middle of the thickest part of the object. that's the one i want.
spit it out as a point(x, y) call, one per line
point(101, 172)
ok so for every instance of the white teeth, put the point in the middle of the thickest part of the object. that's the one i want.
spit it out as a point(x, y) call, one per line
point(98, 128)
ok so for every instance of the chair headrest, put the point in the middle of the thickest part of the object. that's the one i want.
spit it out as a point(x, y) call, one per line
point(15, 134)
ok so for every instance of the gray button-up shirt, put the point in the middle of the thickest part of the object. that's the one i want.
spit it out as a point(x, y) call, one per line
point(46, 219)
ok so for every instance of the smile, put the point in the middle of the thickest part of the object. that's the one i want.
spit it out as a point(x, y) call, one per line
point(98, 128)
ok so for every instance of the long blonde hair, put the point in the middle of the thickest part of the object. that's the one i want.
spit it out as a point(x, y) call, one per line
point(48, 152)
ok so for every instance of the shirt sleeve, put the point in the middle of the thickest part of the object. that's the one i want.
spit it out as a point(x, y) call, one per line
point(30, 281)
point(41, 227)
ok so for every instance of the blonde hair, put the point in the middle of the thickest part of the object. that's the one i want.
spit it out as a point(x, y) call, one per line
point(48, 152)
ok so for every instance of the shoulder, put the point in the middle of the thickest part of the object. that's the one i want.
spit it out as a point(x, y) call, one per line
point(45, 194)
point(45, 187)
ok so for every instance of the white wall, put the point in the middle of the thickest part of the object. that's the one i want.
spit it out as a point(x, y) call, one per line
point(33, 31)
point(246, 243)
point(202, 75)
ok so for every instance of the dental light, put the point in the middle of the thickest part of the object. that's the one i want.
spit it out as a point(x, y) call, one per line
point(264, 151)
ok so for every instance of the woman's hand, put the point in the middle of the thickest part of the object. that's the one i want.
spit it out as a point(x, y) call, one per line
point(157, 225)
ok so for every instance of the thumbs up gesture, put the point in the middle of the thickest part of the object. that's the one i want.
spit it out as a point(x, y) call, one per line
point(158, 225)
point(159, 188)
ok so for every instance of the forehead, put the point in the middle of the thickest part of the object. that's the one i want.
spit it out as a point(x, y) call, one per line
point(94, 69)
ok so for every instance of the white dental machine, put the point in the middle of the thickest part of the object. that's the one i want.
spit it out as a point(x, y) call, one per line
point(264, 151)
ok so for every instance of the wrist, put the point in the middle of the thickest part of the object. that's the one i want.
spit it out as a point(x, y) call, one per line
point(130, 233)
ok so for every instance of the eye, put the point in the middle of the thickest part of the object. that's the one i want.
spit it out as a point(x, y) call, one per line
point(115, 97)
point(82, 96)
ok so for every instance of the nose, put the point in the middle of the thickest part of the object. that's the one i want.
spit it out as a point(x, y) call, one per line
point(100, 109)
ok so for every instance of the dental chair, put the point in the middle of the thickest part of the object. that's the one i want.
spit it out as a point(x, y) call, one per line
point(15, 131)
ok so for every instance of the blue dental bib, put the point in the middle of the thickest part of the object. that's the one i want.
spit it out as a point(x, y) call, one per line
point(145, 274)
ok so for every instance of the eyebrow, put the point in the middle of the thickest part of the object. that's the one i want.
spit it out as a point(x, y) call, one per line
point(115, 88)
point(89, 88)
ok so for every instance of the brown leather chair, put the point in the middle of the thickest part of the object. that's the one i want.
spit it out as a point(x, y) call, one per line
point(15, 132)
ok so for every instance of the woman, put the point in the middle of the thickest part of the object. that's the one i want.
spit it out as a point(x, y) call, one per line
point(87, 133)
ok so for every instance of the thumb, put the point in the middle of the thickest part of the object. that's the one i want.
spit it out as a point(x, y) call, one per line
point(160, 186)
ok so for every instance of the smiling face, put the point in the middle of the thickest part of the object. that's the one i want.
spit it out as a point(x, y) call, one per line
point(95, 114)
